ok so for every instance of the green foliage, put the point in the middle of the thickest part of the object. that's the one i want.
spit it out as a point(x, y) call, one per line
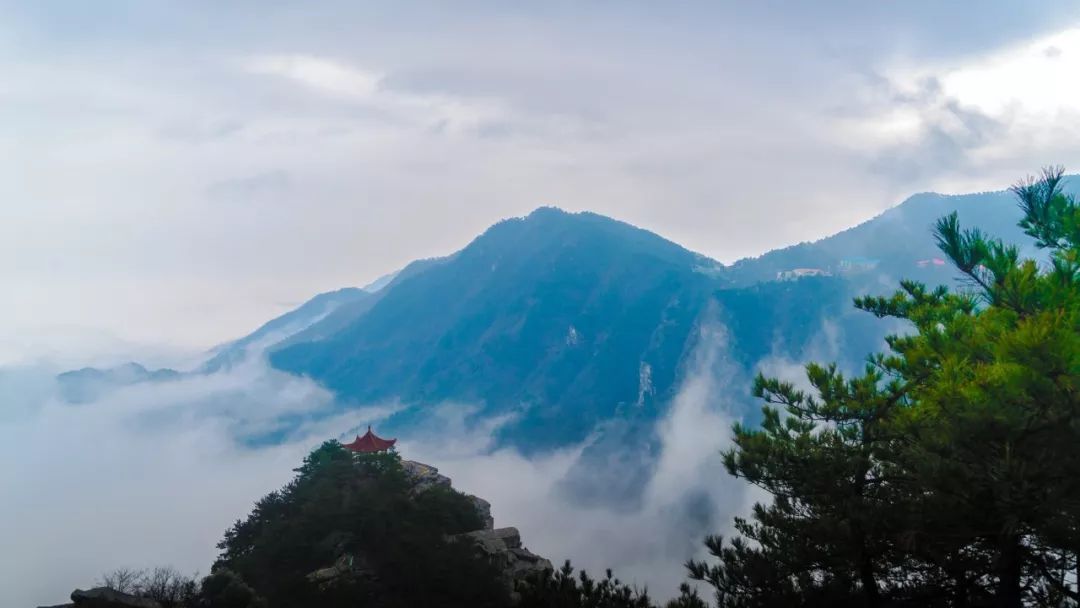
point(359, 507)
point(562, 589)
point(224, 589)
point(948, 472)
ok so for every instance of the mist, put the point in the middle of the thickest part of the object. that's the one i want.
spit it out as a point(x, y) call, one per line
point(147, 475)
point(152, 474)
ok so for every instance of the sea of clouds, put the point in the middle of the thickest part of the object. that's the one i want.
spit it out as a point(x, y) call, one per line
point(152, 474)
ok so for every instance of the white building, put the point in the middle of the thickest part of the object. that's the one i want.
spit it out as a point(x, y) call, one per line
point(798, 273)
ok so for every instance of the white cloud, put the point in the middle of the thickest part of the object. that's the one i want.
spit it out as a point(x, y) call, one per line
point(1033, 79)
point(369, 88)
point(149, 475)
point(152, 474)
point(974, 122)
point(318, 73)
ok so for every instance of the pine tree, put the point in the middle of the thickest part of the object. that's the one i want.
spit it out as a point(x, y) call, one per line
point(949, 472)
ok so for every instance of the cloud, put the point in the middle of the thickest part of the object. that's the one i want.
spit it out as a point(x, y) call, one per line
point(152, 474)
point(267, 184)
point(149, 475)
point(729, 131)
point(320, 74)
point(370, 88)
point(948, 120)
point(1024, 78)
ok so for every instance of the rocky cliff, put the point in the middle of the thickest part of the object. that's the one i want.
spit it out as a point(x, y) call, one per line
point(500, 547)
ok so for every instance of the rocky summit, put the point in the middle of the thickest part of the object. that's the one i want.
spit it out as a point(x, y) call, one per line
point(500, 547)
point(103, 597)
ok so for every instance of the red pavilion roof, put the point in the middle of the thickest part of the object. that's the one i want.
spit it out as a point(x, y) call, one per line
point(370, 443)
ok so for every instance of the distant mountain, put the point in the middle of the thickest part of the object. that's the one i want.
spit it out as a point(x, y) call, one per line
point(87, 384)
point(351, 299)
point(381, 282)
point(894, 242)
point(347, 312)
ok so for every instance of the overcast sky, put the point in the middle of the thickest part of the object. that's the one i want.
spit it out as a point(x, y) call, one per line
point(178, 172)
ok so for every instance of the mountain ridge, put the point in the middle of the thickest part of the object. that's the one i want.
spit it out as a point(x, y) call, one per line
point(574, 267)
point(562, 321)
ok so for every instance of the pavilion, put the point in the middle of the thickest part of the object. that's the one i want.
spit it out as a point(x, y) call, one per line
point(370, 443)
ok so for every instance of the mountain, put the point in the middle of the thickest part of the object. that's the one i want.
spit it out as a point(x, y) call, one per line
point(381, 282)
point(563, 319)
point(565, 324)
point(291, 323)
point(567, 321)
point(894, 242)
point(87, 384)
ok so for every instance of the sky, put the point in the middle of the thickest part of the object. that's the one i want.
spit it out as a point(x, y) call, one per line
point(179, 172)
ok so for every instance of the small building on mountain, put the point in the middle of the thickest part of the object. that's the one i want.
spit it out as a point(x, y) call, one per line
point(798, 273)
point(858, 264)
point(370, 443)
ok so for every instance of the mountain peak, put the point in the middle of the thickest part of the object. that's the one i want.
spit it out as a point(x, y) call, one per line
point(552, 229)
point(533, 311)
point(548, 211)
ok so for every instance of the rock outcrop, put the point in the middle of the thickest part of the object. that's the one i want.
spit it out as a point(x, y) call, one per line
point(499, 546)
point(423, 476)
point(483, 508)
point(348, 567)
point(103, 597)
point(502, 547)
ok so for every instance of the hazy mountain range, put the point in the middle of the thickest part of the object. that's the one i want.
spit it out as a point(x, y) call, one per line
point(573, 325)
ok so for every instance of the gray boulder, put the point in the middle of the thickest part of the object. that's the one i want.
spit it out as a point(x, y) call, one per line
point(347, 568)
point(103, 597)
point(483, 509)
point(423, 476)
point(502, 548)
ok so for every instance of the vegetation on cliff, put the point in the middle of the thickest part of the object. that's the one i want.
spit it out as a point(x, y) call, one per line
point(359, 506)
point(948, 473)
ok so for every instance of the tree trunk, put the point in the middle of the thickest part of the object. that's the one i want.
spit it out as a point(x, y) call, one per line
point(1009, 571)
point(871, 594)
point(865, 564)
point(962, 591)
